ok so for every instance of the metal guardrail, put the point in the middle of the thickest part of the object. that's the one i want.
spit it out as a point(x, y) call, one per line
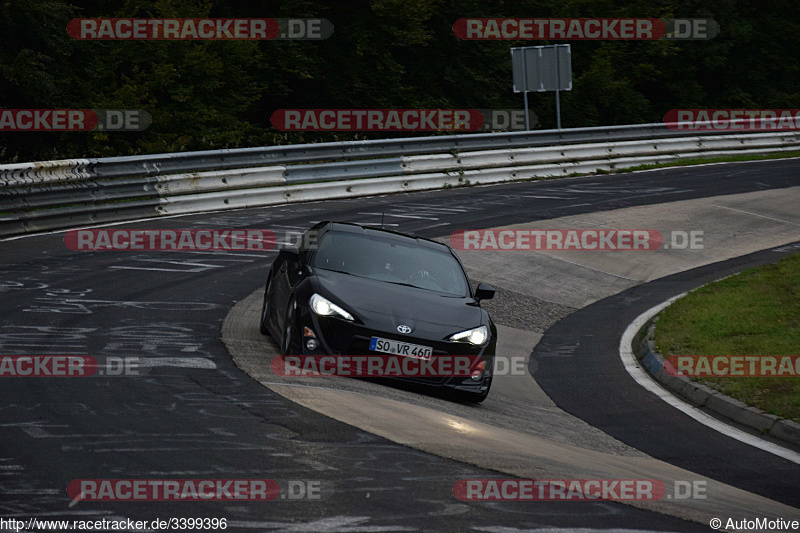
point(159, 164)
point(59, 194)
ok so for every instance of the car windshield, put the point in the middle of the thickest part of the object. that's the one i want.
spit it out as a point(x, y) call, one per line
point(391, 261)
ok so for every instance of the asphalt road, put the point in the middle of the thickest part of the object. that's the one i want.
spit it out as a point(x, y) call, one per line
point(589, 381)
point(193, 414)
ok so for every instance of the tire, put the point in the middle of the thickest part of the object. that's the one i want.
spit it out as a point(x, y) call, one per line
point(265, 312)
point(288, 341)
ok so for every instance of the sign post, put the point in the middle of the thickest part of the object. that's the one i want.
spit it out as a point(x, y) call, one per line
point(540, 69)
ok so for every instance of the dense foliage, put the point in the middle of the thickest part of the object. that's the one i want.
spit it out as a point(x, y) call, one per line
point(383, 54)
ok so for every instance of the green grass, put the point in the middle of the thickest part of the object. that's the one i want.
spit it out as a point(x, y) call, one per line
point(706, 160)
point(755, 312)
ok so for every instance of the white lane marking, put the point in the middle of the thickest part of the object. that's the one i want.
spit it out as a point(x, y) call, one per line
point(642, 377)
point(443, 209)
point(223, 211)
point(579, 205)
point(373, 224)
point(168, 306)
point(399, 216)
point(153, 269)
point(754, 214)
point(199, 267)
point(437, 225)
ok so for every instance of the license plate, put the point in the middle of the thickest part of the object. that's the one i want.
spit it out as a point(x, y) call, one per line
point(407, 349)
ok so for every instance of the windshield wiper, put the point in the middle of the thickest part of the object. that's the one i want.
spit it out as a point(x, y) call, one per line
point(404, 284)
point(334, 270)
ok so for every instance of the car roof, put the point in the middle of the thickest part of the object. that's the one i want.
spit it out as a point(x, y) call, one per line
point(349, 227)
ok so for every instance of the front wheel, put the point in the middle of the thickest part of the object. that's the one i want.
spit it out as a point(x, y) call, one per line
point(264, 328)
point(288, 342)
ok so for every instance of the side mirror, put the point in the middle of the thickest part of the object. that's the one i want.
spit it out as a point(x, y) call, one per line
point(484, 292)
point(290, 255)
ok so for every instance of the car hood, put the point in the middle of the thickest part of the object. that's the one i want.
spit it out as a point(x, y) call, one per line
point(399, 303)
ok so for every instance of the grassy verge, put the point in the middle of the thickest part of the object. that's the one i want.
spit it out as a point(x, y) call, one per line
point(706, 160)
point(756, 312)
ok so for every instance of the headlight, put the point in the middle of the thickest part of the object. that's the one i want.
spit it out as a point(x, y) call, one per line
point(324, 307)
point(476, 336)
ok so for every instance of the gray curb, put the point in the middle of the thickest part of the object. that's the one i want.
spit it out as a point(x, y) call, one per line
point(702, 396)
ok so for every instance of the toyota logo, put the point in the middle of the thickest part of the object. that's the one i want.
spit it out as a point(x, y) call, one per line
point(402, 328)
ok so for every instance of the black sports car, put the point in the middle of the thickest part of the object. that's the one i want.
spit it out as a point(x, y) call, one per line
point(357, 290)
